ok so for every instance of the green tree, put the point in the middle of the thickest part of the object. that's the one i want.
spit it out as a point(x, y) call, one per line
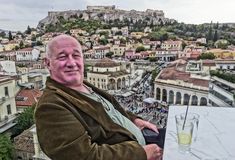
point(118, 33)
point(139, 49)
point(109, 54)
point(209, 35)
point(215, 38)
point(154, 75)
point(103, 41)
point(104, 33)
point(33, 38)
point(39, 43)
point(28, 30)
point(17, 47)
point(208, 55)
point(2, 34)
point(6, 148)
point(24, 120)
point(10, 36)
point(21, 44)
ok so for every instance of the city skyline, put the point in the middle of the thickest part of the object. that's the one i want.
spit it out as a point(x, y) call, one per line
point(16, 15)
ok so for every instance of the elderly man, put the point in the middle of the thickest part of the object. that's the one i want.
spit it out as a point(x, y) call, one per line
point(76, 120)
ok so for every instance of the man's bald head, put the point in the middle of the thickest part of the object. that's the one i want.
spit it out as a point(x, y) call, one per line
point(53, 44)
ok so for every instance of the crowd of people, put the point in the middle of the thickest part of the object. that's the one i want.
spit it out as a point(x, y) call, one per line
point(154, 112)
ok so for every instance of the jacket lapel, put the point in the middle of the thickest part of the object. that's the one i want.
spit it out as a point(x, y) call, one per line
point(87, 105)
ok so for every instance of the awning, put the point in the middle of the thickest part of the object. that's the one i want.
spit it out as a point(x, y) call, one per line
point(150, 100)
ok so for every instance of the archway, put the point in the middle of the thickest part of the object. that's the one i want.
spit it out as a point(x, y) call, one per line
point(178, 98)
point(158, 93)
point(194, 100)
point(111, 84)
point(171, 97)
point(186, 99)
point(203, 101)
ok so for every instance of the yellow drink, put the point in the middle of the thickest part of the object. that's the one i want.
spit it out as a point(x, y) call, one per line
point(184, 138)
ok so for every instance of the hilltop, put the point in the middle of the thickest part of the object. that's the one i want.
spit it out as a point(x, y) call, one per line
point(105, 14)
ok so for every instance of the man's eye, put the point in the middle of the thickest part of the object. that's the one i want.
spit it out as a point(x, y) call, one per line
point(62, 57)
point(76, 56)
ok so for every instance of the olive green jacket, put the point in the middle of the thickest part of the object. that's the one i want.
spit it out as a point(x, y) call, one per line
point(71, 126)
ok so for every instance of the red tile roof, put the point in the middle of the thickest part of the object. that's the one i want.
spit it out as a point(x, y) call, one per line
point(106, 62)
point(24, 142)
point(31, 96)
point(173, 74)
point(25, 49)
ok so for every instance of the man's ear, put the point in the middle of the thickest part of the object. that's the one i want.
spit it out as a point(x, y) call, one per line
point(47, 62)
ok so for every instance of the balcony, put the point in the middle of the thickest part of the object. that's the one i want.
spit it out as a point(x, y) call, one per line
point(7, 122)
point(2, 100)
point(221, 97)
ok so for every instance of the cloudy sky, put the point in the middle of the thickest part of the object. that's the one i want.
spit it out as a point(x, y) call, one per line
point(18, 14)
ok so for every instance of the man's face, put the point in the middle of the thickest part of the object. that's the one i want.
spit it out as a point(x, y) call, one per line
point(66, 62)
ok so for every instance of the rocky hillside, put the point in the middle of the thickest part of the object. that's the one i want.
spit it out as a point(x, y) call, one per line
point(106, 14)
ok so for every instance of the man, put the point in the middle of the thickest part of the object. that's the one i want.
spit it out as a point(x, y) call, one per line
point(75, 120)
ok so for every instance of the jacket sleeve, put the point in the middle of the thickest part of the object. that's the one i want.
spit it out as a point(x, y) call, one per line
point(62, 137)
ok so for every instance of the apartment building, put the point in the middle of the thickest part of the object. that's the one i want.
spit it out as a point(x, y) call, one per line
point(221, 93)
point(7, 103)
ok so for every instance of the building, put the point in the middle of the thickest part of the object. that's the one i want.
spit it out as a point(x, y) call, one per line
point(173, 45)
point(38, 153)
point(27, 98)
point(100, 51)
point(223, 54)
point(166, 55)
point(27, 147)
point(108, 75)
point(7, 103)
point(101, 8)
point(118, 50)
point(23, 145)
point(178, 87)
point(7, 68)
point(221, 92)
point(27, 54)
point(225, 64)
point(8, 55)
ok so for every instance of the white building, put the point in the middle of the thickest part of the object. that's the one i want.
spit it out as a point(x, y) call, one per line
point(7, 103)
point(221, 93)
point(225, 64)
point(108, 75)
point(7, 68)
point(178, 87)
point(166, 55)
point(118, 50)
point(100, 51)
point(27, 54)
point(174, 45)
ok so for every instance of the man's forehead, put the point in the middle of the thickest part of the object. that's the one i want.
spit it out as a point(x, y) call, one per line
point(66, 42)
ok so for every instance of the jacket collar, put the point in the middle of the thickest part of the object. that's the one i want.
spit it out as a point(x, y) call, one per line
point(84, 103)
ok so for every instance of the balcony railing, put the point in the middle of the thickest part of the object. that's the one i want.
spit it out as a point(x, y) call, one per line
point(221, 97)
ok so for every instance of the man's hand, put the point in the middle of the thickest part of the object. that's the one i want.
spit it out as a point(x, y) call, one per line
point(153, 152)
point(145, 124)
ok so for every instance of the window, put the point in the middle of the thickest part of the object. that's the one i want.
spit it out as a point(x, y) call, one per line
point(6, 91)
point(8, 109)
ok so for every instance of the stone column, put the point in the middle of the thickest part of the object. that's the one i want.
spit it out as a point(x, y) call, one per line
point(174, 97)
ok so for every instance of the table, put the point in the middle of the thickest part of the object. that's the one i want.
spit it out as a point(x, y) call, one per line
point(215, 137)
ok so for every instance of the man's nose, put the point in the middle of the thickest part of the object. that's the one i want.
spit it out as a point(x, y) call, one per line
point(71, 61)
